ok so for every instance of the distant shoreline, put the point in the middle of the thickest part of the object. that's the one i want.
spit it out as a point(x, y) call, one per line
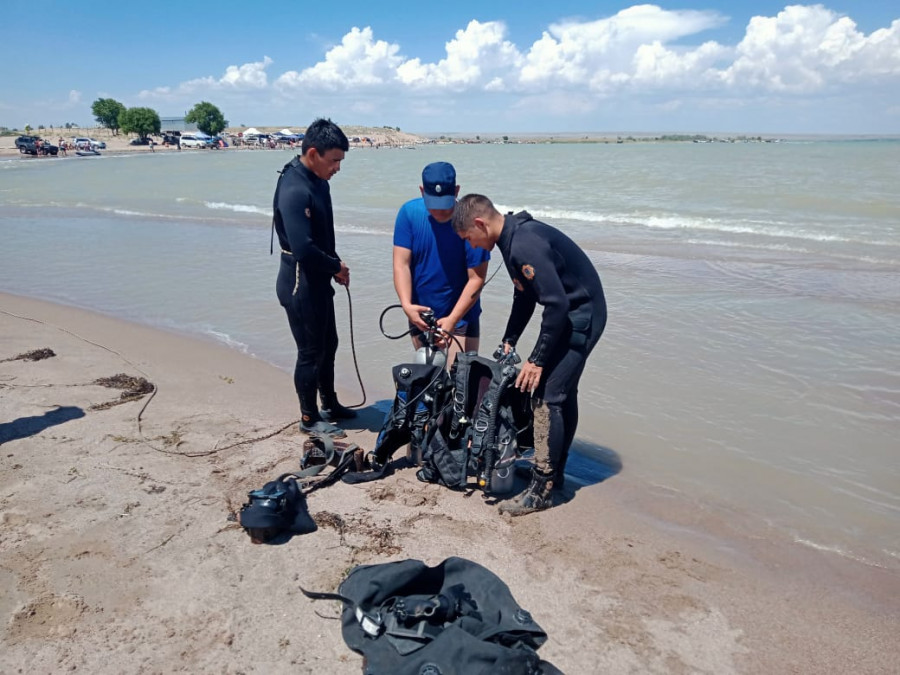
point(378, 137)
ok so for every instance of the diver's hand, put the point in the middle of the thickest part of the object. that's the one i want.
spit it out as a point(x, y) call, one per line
point(529, 377)
point(446, 326)
point(413, 314)
point(343, 277)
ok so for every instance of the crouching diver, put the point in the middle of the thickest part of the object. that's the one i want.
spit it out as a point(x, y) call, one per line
point(548, 269)
point(304, 223)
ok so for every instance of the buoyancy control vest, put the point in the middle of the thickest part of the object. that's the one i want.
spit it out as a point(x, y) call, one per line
point(481, 434)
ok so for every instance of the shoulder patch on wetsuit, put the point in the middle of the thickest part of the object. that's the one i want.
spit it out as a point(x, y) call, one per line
point(308, 213)
point(518, 284)
point(528, 272)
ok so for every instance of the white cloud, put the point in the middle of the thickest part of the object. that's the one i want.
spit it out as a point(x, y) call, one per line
point(881, 52)
point(159, 93)
point(598, 53)
point(74, 97)
point(805, 49)
point(641, 56)
point(247, 77)
point(478, 56)
point(358, 61)
point(250, 76)
point(657, 66)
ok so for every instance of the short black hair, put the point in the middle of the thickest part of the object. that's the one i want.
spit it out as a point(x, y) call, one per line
point(324, 135)
point(470, 207)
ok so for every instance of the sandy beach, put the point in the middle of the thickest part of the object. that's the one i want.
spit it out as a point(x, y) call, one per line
point(117, 553)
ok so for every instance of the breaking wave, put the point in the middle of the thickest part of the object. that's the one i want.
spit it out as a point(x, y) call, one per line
point(229, 341)
point(774, 229)
point(238, 208)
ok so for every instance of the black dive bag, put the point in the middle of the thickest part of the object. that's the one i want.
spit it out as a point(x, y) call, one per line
point(457, 618)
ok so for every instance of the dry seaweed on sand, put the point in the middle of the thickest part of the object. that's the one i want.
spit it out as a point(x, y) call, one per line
point(377, 539)
point(33, 355)
point(133, 388)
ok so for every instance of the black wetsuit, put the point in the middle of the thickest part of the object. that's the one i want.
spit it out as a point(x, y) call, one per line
point(549, 269)
point(304, 223)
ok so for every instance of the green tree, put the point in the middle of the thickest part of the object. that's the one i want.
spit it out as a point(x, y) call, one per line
point(207, 117)
point(140, 121)
point(107, 112)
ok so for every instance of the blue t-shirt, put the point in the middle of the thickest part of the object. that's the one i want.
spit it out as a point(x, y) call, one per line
point(440, 259)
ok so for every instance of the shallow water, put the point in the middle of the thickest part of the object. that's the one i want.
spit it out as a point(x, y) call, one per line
point(752, 355)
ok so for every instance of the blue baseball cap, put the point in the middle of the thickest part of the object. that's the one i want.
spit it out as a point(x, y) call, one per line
point(439, 186)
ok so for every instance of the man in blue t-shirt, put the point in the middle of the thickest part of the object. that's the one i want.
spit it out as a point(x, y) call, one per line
point(433, 268)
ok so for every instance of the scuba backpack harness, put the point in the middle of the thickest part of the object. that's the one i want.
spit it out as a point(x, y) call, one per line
point(470, 422)
point(485, 429)
point(423, 392)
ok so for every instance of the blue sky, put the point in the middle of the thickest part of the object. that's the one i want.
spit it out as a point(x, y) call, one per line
point(492, 67)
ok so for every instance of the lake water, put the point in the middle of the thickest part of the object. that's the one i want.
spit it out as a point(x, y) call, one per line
point(752, 355)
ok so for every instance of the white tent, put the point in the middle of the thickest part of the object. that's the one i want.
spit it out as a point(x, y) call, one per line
point(287, 132)
point(252, 131)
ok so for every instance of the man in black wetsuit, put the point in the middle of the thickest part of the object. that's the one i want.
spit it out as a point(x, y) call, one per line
point(304, 222)
point(549, 269)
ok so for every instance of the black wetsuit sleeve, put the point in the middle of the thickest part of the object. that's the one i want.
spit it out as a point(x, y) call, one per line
point(296, 207)
point(522, 308)
point(547, 289)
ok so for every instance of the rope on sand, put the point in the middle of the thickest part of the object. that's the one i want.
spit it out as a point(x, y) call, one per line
point(153, 392)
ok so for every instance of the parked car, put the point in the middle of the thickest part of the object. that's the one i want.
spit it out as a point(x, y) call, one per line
point(169, 139)
point(141, 140)
point(84, 143)
point(191, 141)
point(35, 145)
point(22, 141)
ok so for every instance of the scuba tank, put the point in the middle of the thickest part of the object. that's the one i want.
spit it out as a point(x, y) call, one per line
point(430, 354)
